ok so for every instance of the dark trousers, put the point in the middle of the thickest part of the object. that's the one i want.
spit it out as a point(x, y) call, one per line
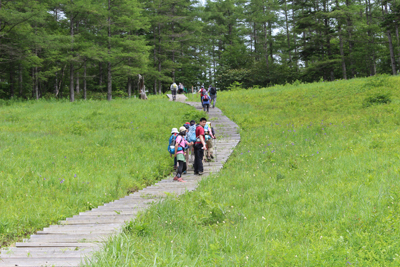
point(198, 158)
point(206, 106)
point(181, 169)
point(175, 161)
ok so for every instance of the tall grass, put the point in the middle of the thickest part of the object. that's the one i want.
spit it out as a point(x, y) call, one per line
point(314, 182)
point(59, 158)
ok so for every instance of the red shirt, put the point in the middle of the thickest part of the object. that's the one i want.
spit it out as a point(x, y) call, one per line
point(199, 131)
point(202, 91)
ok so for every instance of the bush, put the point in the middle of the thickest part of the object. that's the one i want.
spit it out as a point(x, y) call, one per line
point(381, 98)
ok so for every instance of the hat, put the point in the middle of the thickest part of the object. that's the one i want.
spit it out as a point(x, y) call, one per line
point(202, 86)
point(174, 130)
point(187, 122)
point(186, 126)
point(192, 122)
point(182, 129)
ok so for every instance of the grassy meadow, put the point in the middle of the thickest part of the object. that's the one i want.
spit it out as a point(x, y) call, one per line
point(59, 158)
point(314, 182)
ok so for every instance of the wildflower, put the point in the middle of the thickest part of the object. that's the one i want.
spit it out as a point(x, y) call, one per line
point(62, 181)
point(292, 144)
point(65, 157)
point(272, 151)
point(245, 218)
point(248, 151)
point(263, 218)
point(75, 176)
point(44, 179)
point(172, 241)
point(241, 153)
point(235, 237)
point(317, 152)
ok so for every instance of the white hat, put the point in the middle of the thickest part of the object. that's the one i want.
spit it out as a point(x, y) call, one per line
point(182, 129)
point(174, 130)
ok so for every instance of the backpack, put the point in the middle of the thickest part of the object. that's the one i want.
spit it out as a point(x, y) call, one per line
point(174, 86)
point(172, 143)
point(191, 135)
point(213, 91)
point(206, 98)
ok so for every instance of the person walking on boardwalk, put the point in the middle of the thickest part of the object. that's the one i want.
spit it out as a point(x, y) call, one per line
point(192, 138)
point(202, 91)
point(180, 146)
point(171, 144)
point(206, 102)
point(174, 88)
point(213, 95)
point(199, 148)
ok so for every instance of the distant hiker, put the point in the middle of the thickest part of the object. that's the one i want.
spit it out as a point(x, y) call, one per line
point(174, 88)
point(206, 102)
point(180, 88)
point(191, 137)
point(180, 146)
point(213, 95)
point(202, 91)
point(199, 147)
point(171, 145)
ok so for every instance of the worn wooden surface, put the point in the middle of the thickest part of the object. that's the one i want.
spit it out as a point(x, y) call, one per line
point(76, 238)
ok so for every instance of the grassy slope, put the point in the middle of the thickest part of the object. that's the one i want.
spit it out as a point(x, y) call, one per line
point(314, 182)
point(58, 158)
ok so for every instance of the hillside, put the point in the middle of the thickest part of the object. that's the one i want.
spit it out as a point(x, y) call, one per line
point(58, 159)
point(314, 182)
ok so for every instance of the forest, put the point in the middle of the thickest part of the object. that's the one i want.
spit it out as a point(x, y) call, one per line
point(81, 49)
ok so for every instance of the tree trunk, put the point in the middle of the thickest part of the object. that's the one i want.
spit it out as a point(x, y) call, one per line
point(36, 84)
point(101, 76)
point(84, 80)
point(265, 41)
point(159, 61)
point(56, 85)
point(71, 65)
point(350, 41)
point(389, 35)
point(77, 83)
point(109, 77)
point(271, 49)
point(288, 34)
point(155, 59)
point(129, 87)
point(173, 42)
point(20, 80)
point(398, 41)
point(11, 80)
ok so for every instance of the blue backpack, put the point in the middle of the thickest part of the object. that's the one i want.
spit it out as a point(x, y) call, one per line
point(172, 143)
point(191, 135)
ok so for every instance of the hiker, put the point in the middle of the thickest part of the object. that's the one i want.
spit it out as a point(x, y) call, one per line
point(180, 146)
point(174, 88)
point(191, 137)
point(213, 95)
point(199, 148)
point(202, 91)
point(187, 126)
point(171, 145)
point(180, 88)
point(206, 102)
point(209, 136)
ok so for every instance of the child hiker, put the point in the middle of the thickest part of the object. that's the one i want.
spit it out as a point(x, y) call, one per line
point(180, 145)
point(209, 136)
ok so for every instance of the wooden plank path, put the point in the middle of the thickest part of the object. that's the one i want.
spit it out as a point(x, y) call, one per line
point(73, 240)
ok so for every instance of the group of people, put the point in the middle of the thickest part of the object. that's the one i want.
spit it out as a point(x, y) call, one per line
point(208, 97)
point(175, 88)
point(194, 139)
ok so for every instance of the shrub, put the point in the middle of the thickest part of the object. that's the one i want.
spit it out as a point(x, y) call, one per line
point(381, 98)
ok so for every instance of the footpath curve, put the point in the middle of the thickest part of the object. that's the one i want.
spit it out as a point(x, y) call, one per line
point(73, 240)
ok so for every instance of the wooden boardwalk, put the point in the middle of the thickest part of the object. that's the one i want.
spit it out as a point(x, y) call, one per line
point(72, 241)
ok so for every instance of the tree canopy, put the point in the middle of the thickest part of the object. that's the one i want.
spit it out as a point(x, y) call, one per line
point(71, 48)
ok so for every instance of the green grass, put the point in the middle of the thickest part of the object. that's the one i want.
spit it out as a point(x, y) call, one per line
point(314, 182)
point(59, 158)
